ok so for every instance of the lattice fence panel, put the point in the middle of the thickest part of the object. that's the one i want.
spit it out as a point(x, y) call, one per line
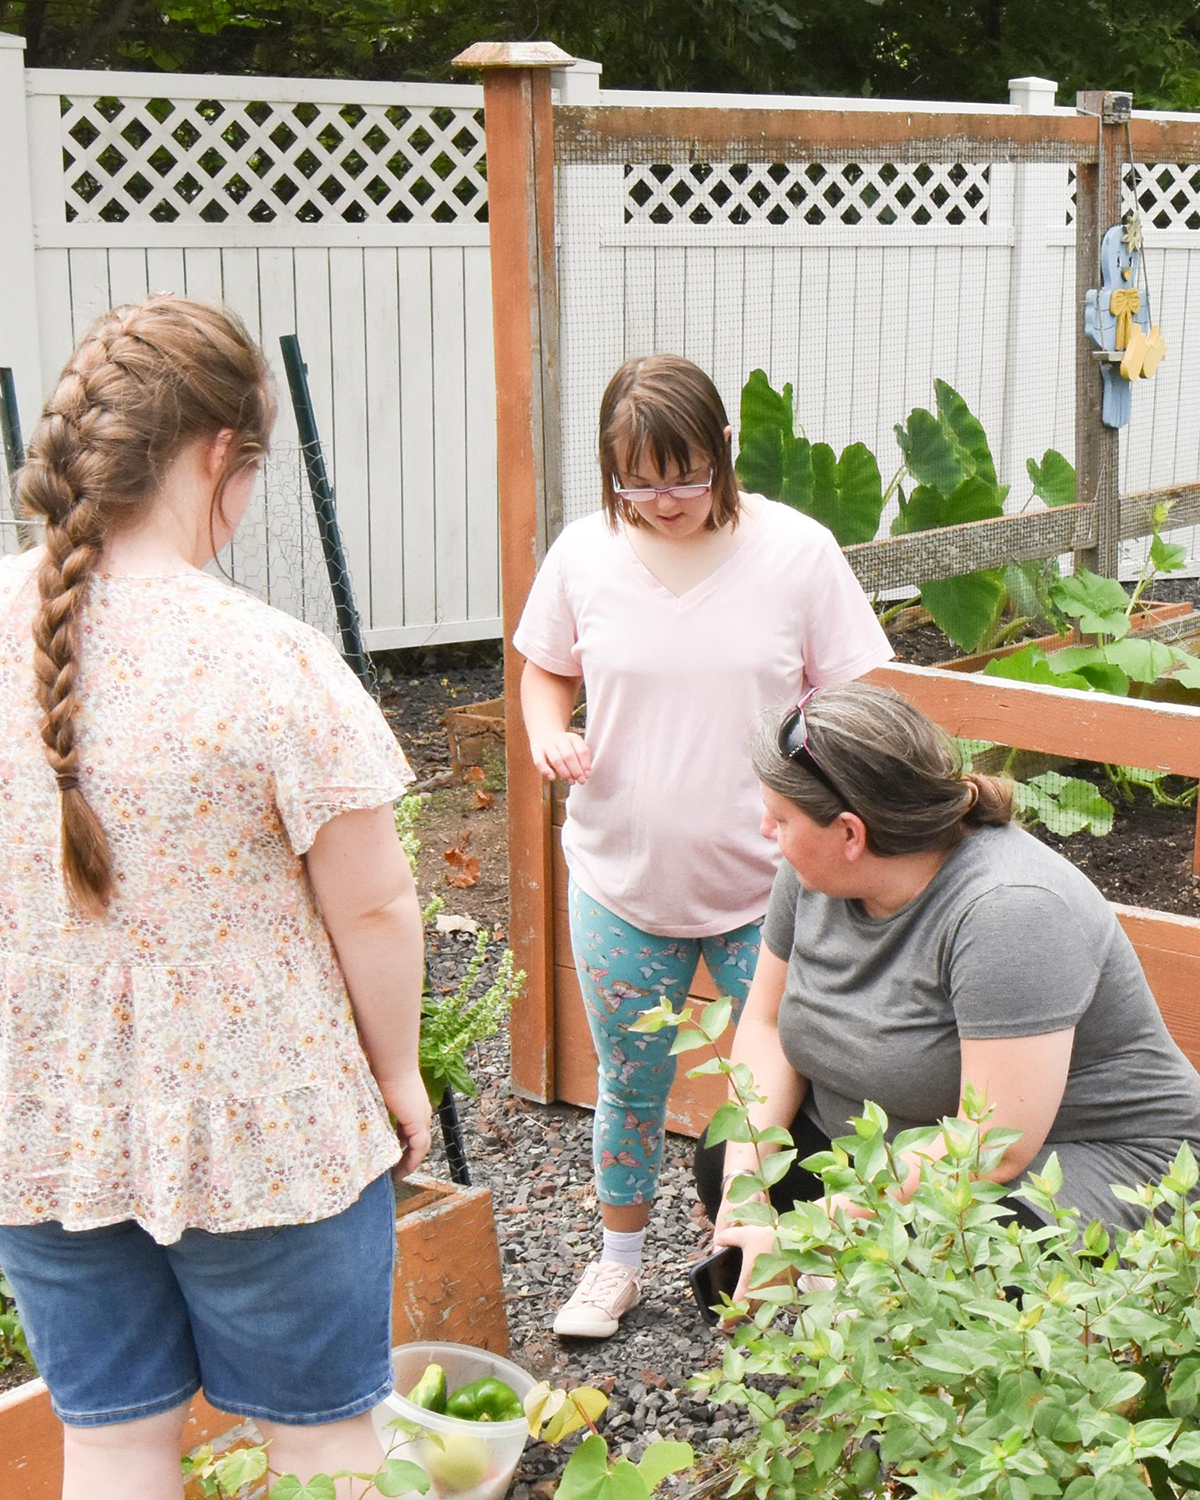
point(814, 193)
point(248, 161)
point(1168, 195)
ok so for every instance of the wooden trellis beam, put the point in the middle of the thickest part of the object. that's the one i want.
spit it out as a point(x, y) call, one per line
point(594, 132)
point(949, 552)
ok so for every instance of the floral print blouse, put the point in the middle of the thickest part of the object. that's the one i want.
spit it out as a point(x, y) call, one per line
point(190, 1060)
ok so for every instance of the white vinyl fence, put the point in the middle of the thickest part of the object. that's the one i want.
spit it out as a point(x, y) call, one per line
point(354, 214)
point(351, 214)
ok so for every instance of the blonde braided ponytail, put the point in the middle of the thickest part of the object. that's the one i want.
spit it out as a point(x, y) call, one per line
point(146, 381)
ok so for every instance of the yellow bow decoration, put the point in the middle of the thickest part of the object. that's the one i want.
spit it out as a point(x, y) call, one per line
point(1123, 303)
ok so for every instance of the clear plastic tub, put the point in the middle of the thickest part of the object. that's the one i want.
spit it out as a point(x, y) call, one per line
point(476, 1460)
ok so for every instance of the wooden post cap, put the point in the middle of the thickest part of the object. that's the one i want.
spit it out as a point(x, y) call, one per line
point(513, 55)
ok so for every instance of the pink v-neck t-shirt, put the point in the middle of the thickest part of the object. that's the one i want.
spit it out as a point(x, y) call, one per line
point(665, 833)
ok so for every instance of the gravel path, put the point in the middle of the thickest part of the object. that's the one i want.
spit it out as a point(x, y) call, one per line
point(548, 1227)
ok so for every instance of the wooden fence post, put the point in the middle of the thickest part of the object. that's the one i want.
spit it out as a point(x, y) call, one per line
point(520, 158)
point(20, 345)
point(1097, 447)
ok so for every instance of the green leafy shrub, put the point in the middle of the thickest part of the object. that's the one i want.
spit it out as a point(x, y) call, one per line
point(452, 1024)
point(958, 1354)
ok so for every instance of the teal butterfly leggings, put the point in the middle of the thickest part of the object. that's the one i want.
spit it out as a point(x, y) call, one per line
point(622, 972)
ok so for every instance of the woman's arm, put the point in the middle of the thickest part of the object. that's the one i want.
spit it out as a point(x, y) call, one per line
point(364, 887)
point(1023, 1078)
point(547, 702)
point(756, 1043)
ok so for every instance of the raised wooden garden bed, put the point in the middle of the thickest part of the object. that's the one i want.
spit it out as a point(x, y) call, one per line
point(448, 1286)
point(1056, 721)
point(475, 733)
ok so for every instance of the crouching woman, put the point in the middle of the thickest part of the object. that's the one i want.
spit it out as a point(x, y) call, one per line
point(916, 940)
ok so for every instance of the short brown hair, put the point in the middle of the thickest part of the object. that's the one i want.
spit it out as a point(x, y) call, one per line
point(899, 771)
point(146, 381)
point(666, 406)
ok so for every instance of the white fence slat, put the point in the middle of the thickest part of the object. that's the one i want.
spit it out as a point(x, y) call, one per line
point(416, 438)
point(728, 367)
point(639, 304)
point(284, 494)
point(383, 427)
point(785, 324)
point(809, 397)
point(868, 320)
point(483, 528)
point(670, 300)
point(202, 275)
point(128, 280)
point(700, 328)
point(90, 295)
point(351, 459)
point(756, 308)
point(892, 337)
point(165, 270)
point(449, 460)
point(52, 271)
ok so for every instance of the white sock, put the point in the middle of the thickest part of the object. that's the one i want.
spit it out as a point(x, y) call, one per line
point(625, 1249)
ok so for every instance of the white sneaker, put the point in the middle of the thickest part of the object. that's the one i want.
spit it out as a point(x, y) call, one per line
point(597, 1305)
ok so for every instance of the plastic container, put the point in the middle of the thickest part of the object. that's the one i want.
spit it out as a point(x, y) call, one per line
point(477, 1460)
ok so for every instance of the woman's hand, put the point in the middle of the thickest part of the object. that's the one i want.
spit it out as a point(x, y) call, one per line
point(563, 756)
point(752, 1240)
point(409, 1103)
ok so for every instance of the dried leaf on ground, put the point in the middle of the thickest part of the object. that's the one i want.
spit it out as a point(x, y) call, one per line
point(472, 773)
point(464, 867)
point(483, 800)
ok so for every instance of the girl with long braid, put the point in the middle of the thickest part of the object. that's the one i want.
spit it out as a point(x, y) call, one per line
point(210, 946)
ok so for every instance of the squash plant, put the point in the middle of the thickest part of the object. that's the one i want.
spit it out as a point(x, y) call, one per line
point(957, 1354)
point(946, 477)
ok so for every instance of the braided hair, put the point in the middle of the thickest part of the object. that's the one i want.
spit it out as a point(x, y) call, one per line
point(146, 381)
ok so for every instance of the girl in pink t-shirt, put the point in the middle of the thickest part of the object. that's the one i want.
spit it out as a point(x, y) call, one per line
point(687, 609)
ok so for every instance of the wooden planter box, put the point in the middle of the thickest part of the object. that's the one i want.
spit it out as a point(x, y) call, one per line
point(1155, 614)
point(475, 732)
point(1050, 720)
point(448, 1286)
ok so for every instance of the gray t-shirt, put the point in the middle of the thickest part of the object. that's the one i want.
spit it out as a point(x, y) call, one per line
point(1008, 939)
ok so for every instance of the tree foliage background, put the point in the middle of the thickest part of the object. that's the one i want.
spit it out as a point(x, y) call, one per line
point(930, 49)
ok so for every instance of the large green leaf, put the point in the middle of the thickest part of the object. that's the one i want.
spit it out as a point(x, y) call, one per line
point(1031, 664)
point(844, 494)
point(965, 432)
point(1065, 804)
point(928, 508)
point(929, 452)
point(1053, 479)
point(1094, 665)
point(1141, 659)
point(586, 1472)
point(663, 1457)
point(766, 428)
point(1099, 604)
point(967, 609)
point(860, 495)
point(796, 488)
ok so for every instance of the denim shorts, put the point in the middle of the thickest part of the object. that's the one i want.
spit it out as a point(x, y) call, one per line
point(290, 1323)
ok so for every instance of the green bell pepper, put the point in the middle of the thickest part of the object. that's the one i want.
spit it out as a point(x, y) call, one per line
point(486, 1400)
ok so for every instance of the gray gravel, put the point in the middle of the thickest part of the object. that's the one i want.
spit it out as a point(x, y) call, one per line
point(536, 1159)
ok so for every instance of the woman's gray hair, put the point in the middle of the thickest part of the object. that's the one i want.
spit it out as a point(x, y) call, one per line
point(896, 768)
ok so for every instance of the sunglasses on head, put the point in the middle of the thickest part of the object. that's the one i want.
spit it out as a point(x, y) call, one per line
point(793, 745)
